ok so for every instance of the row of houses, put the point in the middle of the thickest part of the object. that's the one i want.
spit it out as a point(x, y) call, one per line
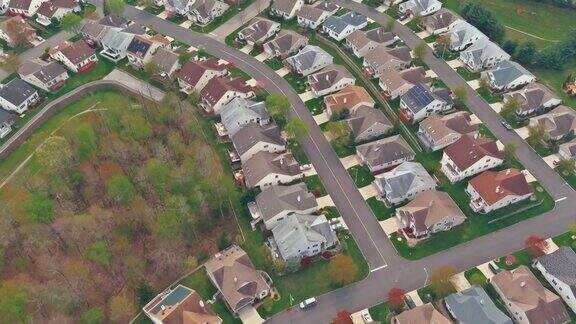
point(46, 10)
point(202, 12)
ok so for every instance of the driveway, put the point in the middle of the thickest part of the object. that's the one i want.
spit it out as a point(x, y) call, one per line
point(283, 71)
point(350, 161)
point(249, 315)
point(325, 201)
point(456, 63)
point(474, 84)
point(522, 132)
point(497, 107)
point(144, 88)
point(460, 282)
point(369, 191)
point(390, 225)
point(308, 95)
point(321, 118)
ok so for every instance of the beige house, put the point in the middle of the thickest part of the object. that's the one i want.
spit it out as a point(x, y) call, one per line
point(439, 131)
point(493, 190)
point(419, 315)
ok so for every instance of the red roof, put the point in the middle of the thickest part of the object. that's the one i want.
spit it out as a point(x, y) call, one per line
point(494, 186)
point(192, 70)
point(469, 150)
point(217, 88)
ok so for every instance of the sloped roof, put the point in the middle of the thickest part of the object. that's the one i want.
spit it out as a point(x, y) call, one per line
point(240, 109)
point(265, 163)
point(285, 6)
point(422, 314)
point(76, 52)
point(16, 91)
point(329, 76)
point(276, 199)
point(562, 265)
point(347, 98)
point(308, 57)
point(363, 118)
point(439, 126)
point(192, 71)
point(217, 87)
point(406, 177)
point(473, 305)
point(385, 150)
point(468, 150)
point(165, 60)
point(49, 8)
point(310, 12)
point(421, 95)
point(286, 41)
point(338, 23)
point(429, 208)
point(45, 72)
point(561, 121)
point(382, 55)
point(252, 134)
point(394, 80)
point(493, 186)
point(440, 19)
point(296, 231)
point(462, 32)
point(258, 29)
point(506, 72)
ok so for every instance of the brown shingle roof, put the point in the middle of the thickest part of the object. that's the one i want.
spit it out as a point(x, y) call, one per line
point(438, 127)
point(468, 150)
point(421, 315)
point(347, 98)
point(75, 52)
point(329, 76)
point(192, 71)
point(49, 8)
point(429, 208)
point(217, 87)
point(493, 186)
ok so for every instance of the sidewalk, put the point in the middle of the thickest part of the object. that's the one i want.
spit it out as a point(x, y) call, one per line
point(144, 88)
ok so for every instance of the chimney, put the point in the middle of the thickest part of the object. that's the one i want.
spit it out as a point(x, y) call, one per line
point(201, 302)
point(508, 171)
point(345, 100)
point(327, 77)
point(523, 284)
point(497, 189)
point(298, 198)
point(481, 301)
point(235, 279)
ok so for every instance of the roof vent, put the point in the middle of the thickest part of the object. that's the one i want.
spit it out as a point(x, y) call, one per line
point(497, 189)
point(298, 198)
point(508, 171)
point(201, 302)
point(523, 284)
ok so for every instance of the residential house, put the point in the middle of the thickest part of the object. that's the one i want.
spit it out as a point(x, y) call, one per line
point(482, 55)
point(309, 60)
point(329, 6)
point(6, 121)
point(361, 42)
point(78, 56)
point(533, 98)
point(367, 123)
point(331, 79)
point(115, 44)
point(285, 9)
point(16, 23)
point(4, 6)
point(49, 77)
point(385, 153)
point(55, 10)
point(422, 101)
point(382, 60)
point(92, 31)
point(180, 305)
point(220, 91)
point(253, 138)
point(470, 155)
point(259, 31)
point(26, 8)
point(396, 83)
point(559, 269)
point(421, 314)
point(439, 131)
point(167, 64)
point(339, 27)
point(350, 98)
point(141, 50)
point(279, 202)
point(567, 150)
point(428, 213)
point(311, 17)
point(508, 75)
point(299, 236)
point(441, 22)
point(526, 299)
point(18, 96)
point(194, 75)
point(285, 44)
point(492, 190)
point(419, 7)
point(463, 35)
point(266, 169)
point(404, 182)
point(114, 21)
point(205, 11)
point(240, 112)
point(178, 7)
point(234, 275)
point(474, 306)
point(558, 123)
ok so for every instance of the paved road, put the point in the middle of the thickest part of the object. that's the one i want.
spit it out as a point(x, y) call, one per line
point(387, 268)
point(240, 19)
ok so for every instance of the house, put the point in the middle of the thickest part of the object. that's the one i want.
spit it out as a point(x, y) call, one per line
point(526, 299)
point(4, 6)
point(419, 7)
point(220, 91)
point(492, 190)
point(55, 10)
point(508, 75)
point(439, 131)
point(180, 305)
point(240, 112)
point(166, 62)
point(285, 9)
point(205, 11)
point(285, 44)
point(114, 21)
point(49, 77)
point(309, 60)
point(361, 42)
point(78, 57)
point(338, 27)
point(558, 123)
point(422, 101)
point(329, 6)
point(367, 123)
point(141, 50)
point(194, 75)
point(18, 96)
point(559, 269)
point(349, 98)
point(468, 156)
point(396, 83)
point(421, 314)
point(266, 169)
point(383, 60)
point(482, 55)
point(331, 79)
point(464, 35)
point(441, 22)
point(6, 122)
point(115, 44)
point(178, 7)
point(428, 213)
point(533, 98)
point(259, 31)
point(253, 138)
point(279, 202)
point(93, 32)
point(26, 8)
point(299, 236)
point(404, 182)
point(28, 33)
point(567, 150)
point(385, 153)
point(473, 305)
point(311, 17)
point(234, 275)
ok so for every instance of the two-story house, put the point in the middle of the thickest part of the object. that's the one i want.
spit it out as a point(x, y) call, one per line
point(382, 60)
point(266, 169)
point(368, 123)
point(422, 101)
point(331, 79)
point(285, 9)
point(55, 10)
point(78, 57)
point(339, 27)
point(254, 138)
point(439, 131)
point(259, 31)
point(419, 7)
point(310, 59)
point(533, 99)
point(220, 91)
point(385, 153)
point(404, 182)
point(559, 269)
point(49, 77)
point(18, 96)
point(362, 42)
point(194, 75)
point(508, 75)
point(285, 44)
point(492, 190)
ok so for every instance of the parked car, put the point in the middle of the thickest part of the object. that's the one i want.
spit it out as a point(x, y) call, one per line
point(507, 126)
point(308, 303)
point(409, 302)
point(494, 267)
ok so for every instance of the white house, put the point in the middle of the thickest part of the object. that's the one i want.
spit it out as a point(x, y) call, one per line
point(329, 80)
point(438, 131)
point(533, 98)
point(441, 22)
point(286, 9)
point(18, 96)
point(141, 50)
point(559, 269)
point(254, 138)
point(419, 7)
point(339, 27)
point(220, 91)
point(422, 101)
point(508, 75)
point(26, 8)
point(309, 60)
point(404, 182)
point(49, 77)
point(384, 154)
point(78, 57)
point(311, 17)
point(492, 190)
point(205, 11)
point(464, 35)
point(6, 121)
point(259, 31)
point(266, 169)
point(55, 10)
point(194, 75)
point(482, 55)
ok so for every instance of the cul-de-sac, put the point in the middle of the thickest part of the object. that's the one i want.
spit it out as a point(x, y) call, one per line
point(288, 161)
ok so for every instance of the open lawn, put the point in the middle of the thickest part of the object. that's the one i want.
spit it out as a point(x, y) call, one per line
point(274, 63)
point(315, 106)
point(467, 74)
point(381, 313)
point(490, 98)
point(297, 82)
point(361, 175)
point(315, 185)
point(298, 152)
point(380, 210)
point(341, 149)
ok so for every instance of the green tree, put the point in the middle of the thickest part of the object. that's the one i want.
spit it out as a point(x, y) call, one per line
point(567, 166)
point(150, 69)
point(339, 129)
point(441, 281)
point(572, 229)
point(278, 105)
point(71, 22)
point(509, 108)
point(13, 300)
point(460, 95)
point(11, 63)
point(510, 150)
point(120, 189)
point(194, 98)
point(115, 7)
point(297, 128)
point(98, 252)
point(184, 57)
point(191, 263)
point(479, 16)
point(420, 50)
point(537, 135)
point(121, 309)
point(94, 315)
point(417, 19)
point(268, 303)
point(443, 43)
point(39, 208)
point(526, 53)
point(158, 174)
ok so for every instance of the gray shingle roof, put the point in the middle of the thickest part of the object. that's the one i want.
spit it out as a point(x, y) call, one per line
point(16, 91)
point(339, 23)
point(421, 95)
point(240, 109)
point(506, 72)
point(562, 265)
point(252, 134)
point(385, 150)
point(364, 117)
point(307, 57)
point(276, 199)
point(406, 177)
point(297, 231)
point(474, 306)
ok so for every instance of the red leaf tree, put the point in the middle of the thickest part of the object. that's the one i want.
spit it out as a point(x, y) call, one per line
point(343, 317)
point(536, 246)
point(396, 298)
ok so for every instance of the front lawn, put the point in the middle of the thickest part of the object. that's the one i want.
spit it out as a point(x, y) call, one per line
point(381, 313)
point(415, 27)
point(315, 106)
point(315, 185)
point(274, 63)
point(361, 175)
point(379, 209)
point(475, 277)
point(297, 82)
point(298, 152)
point(467, 74)
point(490, 98)
point(342, 149)
point(219, 21)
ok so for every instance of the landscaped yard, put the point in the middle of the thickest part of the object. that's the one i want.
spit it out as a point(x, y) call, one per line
point(490, 98)
point(315, 185)
point(381, 313)
point(467, 74)
point(380, 210)
point(274, 63)
point(342, 149)
point(361, 175)
point(315, 106)
point(297, 82)
point(298, 152)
